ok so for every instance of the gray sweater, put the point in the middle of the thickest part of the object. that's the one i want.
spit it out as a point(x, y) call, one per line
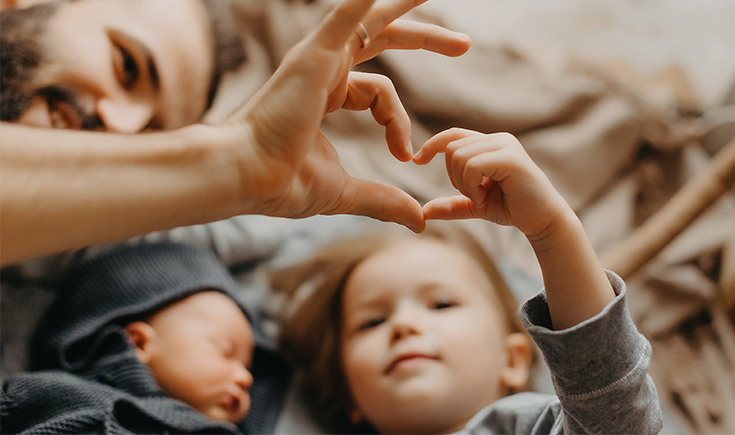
point(599, 371)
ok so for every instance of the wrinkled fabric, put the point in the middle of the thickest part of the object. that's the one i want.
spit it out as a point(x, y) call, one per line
point(615, 152)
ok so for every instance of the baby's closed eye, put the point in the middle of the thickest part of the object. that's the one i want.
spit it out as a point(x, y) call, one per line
point(225, 346)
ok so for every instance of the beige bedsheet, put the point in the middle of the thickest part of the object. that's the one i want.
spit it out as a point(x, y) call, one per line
point(615, 146)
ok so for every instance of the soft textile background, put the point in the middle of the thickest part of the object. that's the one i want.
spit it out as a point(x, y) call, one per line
point(615, 100)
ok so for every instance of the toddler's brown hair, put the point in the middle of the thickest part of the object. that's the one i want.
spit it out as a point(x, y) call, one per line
point(311, 317)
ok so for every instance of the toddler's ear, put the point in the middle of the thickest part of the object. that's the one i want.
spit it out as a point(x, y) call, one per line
point(141, 334)
point(356, 415)
point(514, 375)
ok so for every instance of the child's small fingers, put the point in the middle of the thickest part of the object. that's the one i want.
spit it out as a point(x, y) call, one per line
point(439, 142)
point(467, 160)
point(450, 208)
point(454, 161)
point(489, 165)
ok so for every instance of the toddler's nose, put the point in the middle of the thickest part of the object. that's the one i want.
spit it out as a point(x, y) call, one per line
point(405, 322)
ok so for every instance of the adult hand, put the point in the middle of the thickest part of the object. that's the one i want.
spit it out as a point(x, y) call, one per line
point(291, 169)
point(65, 190)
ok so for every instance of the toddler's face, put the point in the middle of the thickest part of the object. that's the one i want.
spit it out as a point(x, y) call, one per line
point(423, 344)
point(200, 350)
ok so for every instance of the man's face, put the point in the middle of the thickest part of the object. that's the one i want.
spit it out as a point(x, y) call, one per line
point(422, 342)
point(113, 65)
point(199, 350)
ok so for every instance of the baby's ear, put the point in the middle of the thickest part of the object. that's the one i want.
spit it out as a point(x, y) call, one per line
point(514, 375)
point(141, 334)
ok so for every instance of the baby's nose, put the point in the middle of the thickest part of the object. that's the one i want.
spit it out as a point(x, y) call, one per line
point(244, 379)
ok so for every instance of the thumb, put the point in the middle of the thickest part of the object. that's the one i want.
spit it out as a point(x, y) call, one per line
point(381, 202)
point(450, 208)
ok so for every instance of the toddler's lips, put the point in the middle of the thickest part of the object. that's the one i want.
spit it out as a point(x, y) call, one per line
point(409, 358)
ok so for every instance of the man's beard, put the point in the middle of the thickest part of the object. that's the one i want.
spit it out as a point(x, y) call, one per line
point(20, 58)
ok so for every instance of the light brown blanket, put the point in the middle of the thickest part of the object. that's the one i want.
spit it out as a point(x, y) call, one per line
point(614, 152)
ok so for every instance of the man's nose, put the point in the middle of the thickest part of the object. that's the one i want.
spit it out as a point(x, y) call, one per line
point(123, 115)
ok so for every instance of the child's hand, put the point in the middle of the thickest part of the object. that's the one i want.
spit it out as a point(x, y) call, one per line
point(501, 183)
point(498, 180)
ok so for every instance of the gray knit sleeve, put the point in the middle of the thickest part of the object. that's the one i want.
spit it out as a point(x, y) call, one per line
point(599, 368)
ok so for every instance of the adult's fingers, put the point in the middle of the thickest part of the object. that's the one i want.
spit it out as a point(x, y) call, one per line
point(340, 24)
point(413, 35)
point(376, 92)
point(385, 12)
point(450, 208)
point(380, 201)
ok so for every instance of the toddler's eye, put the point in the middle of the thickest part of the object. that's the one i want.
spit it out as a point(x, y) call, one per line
point(372, 323)
point(443, 304)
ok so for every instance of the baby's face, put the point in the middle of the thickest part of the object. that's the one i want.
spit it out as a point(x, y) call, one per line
point(200, 352)
point(422, 341)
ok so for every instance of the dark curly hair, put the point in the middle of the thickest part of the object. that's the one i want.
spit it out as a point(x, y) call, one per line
point(229, 49)
point(20, 53)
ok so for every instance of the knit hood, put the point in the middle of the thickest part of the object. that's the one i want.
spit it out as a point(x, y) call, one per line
point(124, 285)
point(95, 383)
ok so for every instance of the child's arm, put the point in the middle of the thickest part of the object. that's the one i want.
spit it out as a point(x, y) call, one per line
point(501, 183)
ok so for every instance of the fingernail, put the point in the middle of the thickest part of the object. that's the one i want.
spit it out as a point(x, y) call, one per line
point(418, 154)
